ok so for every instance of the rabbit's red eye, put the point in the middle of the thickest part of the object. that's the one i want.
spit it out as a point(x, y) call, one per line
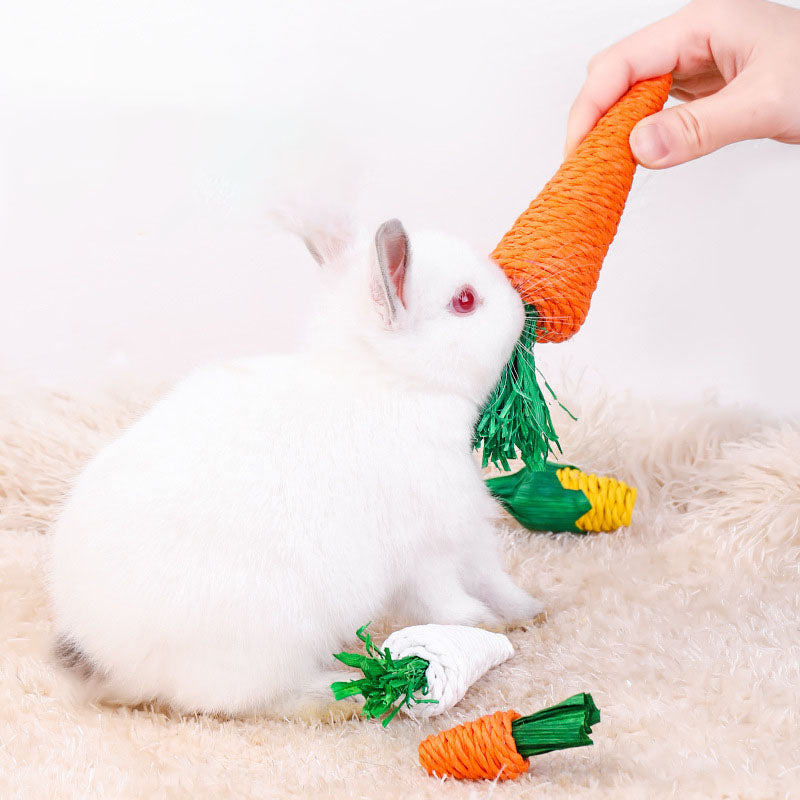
point(463, 301)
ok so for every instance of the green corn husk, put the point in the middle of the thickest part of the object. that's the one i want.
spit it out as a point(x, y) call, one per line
point(567, 724)
point(516, 419)
point(388, 684)
point(537, 500)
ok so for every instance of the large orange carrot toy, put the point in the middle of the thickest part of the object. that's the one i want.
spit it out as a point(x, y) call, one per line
point(553, 255)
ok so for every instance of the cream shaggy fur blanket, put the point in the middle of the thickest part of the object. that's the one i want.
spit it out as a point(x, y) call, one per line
point(685, 627)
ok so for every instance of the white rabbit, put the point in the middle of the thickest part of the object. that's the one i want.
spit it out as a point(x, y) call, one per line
point(216, 554)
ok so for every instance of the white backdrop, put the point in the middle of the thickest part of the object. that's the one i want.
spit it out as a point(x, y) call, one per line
point(143, 144)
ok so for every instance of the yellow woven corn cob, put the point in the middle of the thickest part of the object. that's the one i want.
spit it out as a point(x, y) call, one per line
point(612, 500)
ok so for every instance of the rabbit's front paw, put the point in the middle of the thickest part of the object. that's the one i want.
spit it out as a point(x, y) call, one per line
point(505, 626)
point(507, 600)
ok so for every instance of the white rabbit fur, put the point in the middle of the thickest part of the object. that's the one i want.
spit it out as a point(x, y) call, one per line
point(216, 554)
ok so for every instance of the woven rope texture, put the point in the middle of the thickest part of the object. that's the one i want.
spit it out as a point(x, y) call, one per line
point(457, 656)
point(481, 748)
point(554, 251)
point(612, 500)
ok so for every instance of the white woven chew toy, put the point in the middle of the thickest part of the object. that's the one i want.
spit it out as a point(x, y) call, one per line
point(458, 656)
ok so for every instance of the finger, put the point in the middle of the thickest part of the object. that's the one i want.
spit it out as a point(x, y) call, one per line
point(690, 130)
point(652, 51)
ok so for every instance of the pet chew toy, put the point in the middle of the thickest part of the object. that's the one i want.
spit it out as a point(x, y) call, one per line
point(552, 255)
point(500, 744)
point(424, 669)
point(562, 498)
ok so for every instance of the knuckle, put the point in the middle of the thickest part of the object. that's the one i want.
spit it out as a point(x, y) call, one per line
point(598, 59)
point(692, 130)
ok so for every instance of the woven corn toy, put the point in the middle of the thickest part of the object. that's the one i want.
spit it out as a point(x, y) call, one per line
point(562, 498)
point(499, 745)
point(424, 669)
point(552, 255)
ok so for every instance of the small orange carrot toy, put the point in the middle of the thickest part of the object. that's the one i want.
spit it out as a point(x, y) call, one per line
point(500, 744)
point(552, 255)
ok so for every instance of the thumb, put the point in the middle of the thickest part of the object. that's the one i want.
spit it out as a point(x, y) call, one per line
point(690, 130)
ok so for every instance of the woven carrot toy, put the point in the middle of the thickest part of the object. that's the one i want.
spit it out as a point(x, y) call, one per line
point(552, 255)
point(500, 744)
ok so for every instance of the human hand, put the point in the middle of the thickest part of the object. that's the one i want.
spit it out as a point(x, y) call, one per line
point(736, 62)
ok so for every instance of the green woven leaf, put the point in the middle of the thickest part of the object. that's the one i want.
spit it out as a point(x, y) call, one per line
point(558, 727)
point(388, 684)
point(516, 420)
point(353, 659)
point(537, 500)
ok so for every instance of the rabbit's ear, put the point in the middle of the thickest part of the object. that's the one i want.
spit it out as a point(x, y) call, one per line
point(326, 244)
point(390, 266)
point(326, 235)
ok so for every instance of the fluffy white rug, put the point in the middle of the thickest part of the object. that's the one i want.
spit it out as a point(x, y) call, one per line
point(685, 627)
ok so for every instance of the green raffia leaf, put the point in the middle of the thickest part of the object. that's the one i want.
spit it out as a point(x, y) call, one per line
point(567, 724)
point(516, 420)
point(388, 684)
point(538, 501)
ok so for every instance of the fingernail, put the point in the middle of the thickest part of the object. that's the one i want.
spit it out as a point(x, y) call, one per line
point(649, 143)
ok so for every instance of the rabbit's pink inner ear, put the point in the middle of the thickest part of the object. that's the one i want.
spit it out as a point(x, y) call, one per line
point(391, 242)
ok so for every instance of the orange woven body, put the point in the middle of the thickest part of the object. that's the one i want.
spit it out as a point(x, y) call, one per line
point(482, 748)
point(554, 252)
